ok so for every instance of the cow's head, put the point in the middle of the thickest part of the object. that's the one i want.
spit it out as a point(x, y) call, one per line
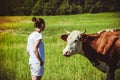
point(74, 45)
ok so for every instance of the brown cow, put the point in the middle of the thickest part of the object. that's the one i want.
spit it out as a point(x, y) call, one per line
point(102, 49)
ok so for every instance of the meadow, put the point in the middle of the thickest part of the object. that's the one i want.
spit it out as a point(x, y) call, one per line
point(14, 31)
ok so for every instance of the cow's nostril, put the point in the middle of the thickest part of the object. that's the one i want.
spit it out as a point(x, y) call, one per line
point(66, 54)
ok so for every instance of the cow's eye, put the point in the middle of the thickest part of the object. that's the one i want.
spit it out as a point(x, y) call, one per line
point(75, 41)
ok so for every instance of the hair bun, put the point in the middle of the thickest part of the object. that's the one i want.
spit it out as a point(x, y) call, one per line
point(34, 19)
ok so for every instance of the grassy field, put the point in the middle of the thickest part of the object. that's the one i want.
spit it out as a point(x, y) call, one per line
point(14, 31)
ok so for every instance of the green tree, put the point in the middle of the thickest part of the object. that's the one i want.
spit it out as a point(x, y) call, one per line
point(51, 7)
point(56, 7)
point(27, 6)
point(64, 9)
point(38, 7)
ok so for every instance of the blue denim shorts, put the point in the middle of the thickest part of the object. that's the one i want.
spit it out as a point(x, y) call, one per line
point(36, 70)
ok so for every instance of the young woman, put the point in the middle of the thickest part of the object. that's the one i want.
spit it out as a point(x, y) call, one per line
point(35, 48)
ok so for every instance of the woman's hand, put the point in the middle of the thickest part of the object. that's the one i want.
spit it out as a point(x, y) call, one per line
point(41, 63)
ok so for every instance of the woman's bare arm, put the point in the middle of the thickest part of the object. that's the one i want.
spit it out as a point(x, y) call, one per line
point(35, 49)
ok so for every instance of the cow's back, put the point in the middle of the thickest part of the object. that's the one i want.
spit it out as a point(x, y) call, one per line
point(105, 41)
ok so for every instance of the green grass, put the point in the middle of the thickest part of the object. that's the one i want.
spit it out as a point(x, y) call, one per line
point(14, 31)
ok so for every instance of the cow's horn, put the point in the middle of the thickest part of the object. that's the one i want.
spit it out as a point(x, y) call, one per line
point(84, 31)
point(68, 32)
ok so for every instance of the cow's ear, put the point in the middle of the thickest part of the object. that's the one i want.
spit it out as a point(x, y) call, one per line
point(64, 37)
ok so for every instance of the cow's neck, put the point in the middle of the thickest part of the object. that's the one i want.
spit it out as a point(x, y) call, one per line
point(89, 51)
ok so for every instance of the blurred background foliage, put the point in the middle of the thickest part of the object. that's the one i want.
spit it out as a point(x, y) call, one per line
point(57, 7)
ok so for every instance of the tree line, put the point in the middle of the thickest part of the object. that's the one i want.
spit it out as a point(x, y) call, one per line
point(57, 7)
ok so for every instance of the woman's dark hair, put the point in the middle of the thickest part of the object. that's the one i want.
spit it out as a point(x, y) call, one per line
point(38, 22)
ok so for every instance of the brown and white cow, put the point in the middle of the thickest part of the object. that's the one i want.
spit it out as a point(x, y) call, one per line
point(102, 49)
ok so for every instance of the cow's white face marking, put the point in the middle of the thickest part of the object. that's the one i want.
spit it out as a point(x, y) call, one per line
point(74, 45)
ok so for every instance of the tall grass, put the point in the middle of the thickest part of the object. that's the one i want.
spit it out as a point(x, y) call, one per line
point(14, 31)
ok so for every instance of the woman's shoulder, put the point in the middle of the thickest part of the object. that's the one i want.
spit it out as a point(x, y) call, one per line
point(37, 33)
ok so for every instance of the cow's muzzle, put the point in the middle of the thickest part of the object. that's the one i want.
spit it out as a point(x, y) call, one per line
point(66, 54)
